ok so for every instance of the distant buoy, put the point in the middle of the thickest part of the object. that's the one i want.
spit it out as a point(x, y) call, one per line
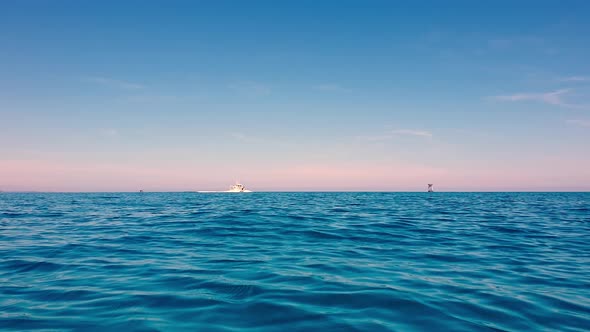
point(430, 189)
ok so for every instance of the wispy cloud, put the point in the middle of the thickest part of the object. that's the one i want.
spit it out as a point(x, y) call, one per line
point(515, 41)
point(499, 43)
point(396, 133)
point(330, 88)
point(553, 97)
point(520, 43)
point(412, 132)
point(113, 83)
point(239, 136)
point(556, 98)
point(580, 123)
point(244, 138)
point(109, 133)
point(250, 89)
point(150, 98)
point(575, 79)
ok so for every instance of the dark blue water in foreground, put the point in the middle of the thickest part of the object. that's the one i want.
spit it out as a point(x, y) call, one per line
point(295, 262)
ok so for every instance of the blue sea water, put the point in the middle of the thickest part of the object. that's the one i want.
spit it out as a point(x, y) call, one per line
point(295, 262)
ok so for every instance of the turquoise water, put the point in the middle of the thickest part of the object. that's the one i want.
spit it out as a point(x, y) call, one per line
point(295, 262)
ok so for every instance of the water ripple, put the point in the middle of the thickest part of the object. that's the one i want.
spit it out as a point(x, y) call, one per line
point(295, 261)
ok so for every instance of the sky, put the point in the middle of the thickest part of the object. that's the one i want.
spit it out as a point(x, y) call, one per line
point(294, 95)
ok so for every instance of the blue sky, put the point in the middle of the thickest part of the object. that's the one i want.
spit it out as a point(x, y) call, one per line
point(297, 95)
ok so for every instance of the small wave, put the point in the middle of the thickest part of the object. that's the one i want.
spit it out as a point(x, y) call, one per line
point(21, 266)
point(295, 261)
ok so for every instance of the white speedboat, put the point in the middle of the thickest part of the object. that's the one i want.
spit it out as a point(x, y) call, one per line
point(236, 188)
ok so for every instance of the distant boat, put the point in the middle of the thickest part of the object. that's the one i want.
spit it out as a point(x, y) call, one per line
point(430, 187)
point(236, 188)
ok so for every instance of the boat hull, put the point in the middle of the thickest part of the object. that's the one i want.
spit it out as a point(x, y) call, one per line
point(222, 192)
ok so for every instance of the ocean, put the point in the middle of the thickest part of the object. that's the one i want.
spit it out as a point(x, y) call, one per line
point(295, 261)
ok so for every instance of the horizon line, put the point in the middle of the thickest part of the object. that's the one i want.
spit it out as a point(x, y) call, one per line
point(296, 191)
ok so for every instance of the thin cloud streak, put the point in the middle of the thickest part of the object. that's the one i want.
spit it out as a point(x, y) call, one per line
point(109, 133)
point(330, 87)
point(250, 89)
point(396, 133)
point(113, 83)
point(412, 132)
point(575, 79)
point(555, 98)
point(579, 123)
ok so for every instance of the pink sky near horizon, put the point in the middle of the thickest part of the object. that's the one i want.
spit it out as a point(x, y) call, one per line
point(294, 97)
point(39, 175)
